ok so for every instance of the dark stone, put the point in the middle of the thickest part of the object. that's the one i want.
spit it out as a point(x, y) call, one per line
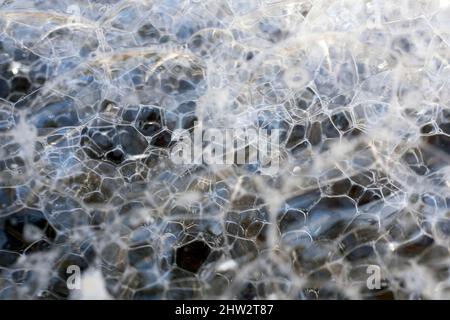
point(164, 39)
point(187, 107)
point(105, 104)
point(141, 257)
point(149, 121)
point(315, 134)
point(248, 292)
point(184, 86)
point(117, 156)
point(427, 129)
point(149, 128)
point(20, 84)
point(57, 115)
point(415, 247)
point(148, 32)
point(7, 197)
point(341, 121)
point(403, 44)
point(292, 220)
point(196, 42)
point(129, 115)
point(132, 142)
point(329, 129)
point(101, 140)
point(296, 136)
point(13, 225)
point(162, 139)
point(97, 141)
point(191, 256)
point(271, 32)
point(188, 121)
point(359, 253)
point(440, 141)
point(155, 292)
point(185, 31)
point(8, 258)
point(4, 89)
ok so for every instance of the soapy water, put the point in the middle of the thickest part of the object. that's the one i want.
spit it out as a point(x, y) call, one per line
point(92, 94)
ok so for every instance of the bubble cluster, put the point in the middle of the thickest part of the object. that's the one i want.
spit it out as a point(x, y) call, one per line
point(91, 97)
